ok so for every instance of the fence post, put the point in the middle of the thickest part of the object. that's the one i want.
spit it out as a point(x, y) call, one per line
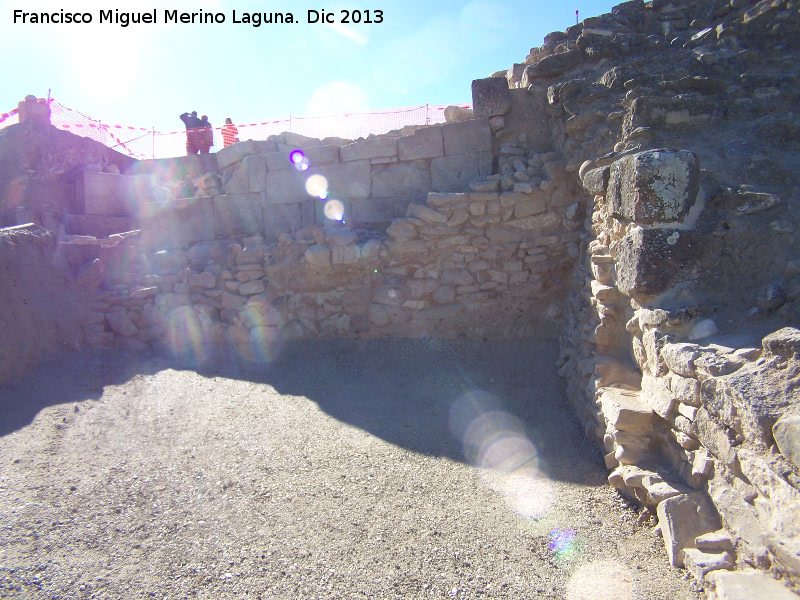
point(154, 142)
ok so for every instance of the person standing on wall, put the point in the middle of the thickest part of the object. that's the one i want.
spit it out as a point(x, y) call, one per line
point(192, 132)
point(206, 135)
point(230, 134)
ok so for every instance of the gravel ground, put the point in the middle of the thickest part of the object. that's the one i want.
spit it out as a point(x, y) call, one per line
point(343, 469)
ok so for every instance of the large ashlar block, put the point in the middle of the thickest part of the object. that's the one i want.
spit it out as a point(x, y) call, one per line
point(287, 218)
point(238, 213)
point(409, 179)
point(684, 518)
point(654, 186)
point(111, 194)
point(369, 148)
point(320, 155)
point(186, 221)
point(465, 137)
point(235, 153)
point(455, 173)
point(651, 261)
point(256, 168)
point(423, 143)
point(378, 210)
point(343, 180)
point(490, 97)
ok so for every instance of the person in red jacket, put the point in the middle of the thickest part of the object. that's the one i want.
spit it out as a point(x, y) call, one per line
point(230, 134)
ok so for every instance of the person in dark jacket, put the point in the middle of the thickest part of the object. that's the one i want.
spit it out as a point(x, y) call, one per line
point(206, 135)
point(193, 132)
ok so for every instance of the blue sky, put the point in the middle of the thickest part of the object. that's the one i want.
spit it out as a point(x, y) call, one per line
point(146, 75)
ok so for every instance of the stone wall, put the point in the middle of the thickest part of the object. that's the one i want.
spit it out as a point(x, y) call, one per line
point(680, 354)
point(41, 310)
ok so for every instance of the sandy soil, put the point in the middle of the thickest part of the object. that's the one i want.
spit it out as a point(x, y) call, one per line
point(345, 469)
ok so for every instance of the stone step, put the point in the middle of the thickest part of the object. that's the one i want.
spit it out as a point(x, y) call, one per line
point(747, 585)
point(99, 226)
point(625, 410)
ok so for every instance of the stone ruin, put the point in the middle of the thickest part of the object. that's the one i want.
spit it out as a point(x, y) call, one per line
point(631, 188)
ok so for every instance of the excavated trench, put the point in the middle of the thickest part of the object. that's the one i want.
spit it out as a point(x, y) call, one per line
point(360, 469)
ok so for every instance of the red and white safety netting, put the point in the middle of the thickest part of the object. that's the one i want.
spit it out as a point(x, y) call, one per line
point(143, 143)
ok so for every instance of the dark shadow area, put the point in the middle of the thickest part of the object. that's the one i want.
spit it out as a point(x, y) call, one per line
point(431, 396)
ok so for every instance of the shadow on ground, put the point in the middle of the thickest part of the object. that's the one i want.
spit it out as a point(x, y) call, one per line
point(482, 402)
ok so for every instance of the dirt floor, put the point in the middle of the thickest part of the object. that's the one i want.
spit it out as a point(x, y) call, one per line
point(346, 469)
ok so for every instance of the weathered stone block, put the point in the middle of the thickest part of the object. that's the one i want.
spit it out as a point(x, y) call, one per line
point(378, 210)
point(239, 213)
point(319, 255)
point(369, 148)
point(423, 143)
point(426, 214)
point(786, 432)
point(187, 220)
point(233, 154)
point(111, 194)
point(344, 255)
point(625, 410)
point(411, 179)
point(747, 585)
point(683, 518)
point(490, 97)
point(651, 261)
point(552, 65)
point(467, 137)
point(654, 186)
point(454, 173)
point(754, 397)
point(596, 180)
point(344, 180)
point(286, 218)
point(256, 169)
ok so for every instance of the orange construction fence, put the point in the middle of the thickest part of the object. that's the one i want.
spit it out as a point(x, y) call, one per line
point(143, 143)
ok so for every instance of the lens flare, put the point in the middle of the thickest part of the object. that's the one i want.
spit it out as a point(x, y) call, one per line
point(601, 580)
point(564, 544)
point(296, 157)
point(334, 210)
point(495, 441)
point(185, 332)
point(317, 185)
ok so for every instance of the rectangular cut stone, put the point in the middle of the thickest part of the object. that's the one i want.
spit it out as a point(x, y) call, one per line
point(378, 210)
point(407, 179)
point(370, 148)
point(625, 410)
point(344, 180)
point(440, 200)
point(256, 169)
point(425, 142)
point(656, 393)
point(99, 226)
point(233, 154)
point(344, 255)
point(187, 220)
point(654, 186)
point(282, 218)
point(323, 218)
point(683, 518)
point(239, 213)
point(454, 173)
point(748, 585)
point(465, 137)
point(278, 161)
point(490, 97)
point(111, 194)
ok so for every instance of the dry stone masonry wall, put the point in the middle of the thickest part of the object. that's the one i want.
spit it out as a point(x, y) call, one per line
point(631, 186)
